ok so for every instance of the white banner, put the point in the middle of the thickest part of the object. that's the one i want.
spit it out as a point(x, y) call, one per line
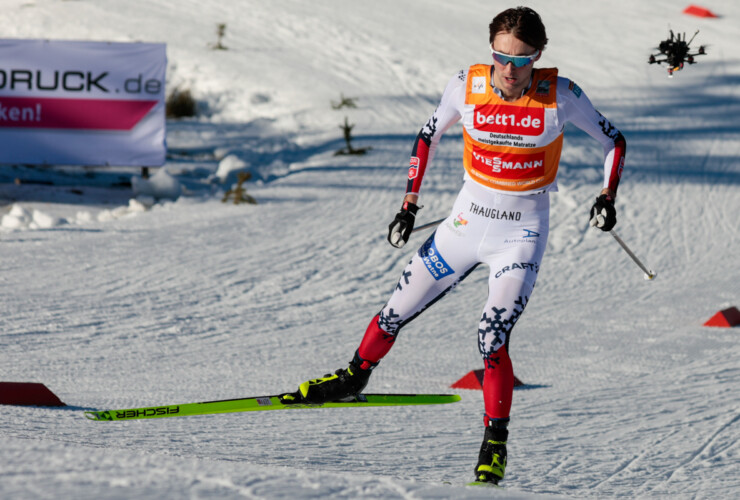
point(82, 103)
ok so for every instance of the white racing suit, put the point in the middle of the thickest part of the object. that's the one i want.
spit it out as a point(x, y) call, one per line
point(501, 215)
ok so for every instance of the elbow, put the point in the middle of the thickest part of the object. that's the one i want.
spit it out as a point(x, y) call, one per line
point(620, 143)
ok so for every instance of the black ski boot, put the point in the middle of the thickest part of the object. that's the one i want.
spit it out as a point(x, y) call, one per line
point(492, 457)
point(344, 384)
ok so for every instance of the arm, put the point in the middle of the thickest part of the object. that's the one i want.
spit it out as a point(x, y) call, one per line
point(447, 113)
point(577, 109)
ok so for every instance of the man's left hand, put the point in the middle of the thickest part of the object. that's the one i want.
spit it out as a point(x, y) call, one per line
point(603, 213)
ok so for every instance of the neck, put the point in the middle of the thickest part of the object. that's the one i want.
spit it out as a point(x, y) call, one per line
point(515, 95)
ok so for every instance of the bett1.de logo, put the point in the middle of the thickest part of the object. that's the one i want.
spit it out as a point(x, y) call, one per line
point(510, 119)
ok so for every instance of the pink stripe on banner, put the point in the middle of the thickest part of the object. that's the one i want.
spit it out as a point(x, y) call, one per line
point(89, 114)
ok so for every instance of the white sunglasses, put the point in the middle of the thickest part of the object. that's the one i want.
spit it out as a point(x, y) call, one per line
point(517, 61)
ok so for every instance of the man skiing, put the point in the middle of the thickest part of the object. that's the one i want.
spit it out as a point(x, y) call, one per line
point(513, 117)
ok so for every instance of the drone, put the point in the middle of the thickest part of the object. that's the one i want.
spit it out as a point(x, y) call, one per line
point(675, 52)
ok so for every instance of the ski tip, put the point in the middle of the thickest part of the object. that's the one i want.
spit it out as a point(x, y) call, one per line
point(98, 416)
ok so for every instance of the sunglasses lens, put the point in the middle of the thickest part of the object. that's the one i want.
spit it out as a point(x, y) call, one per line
point(517, 61)
point(504, 60)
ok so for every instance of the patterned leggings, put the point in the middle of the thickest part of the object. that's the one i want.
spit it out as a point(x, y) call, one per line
point(507, 233)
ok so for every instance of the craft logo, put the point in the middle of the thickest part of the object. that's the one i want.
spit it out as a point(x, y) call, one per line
point(509, 165)
point(459, 221)
point(530, 234)
point(525, 266)
point(478, 85)
point(509, 119)
point(413, 167)
point(433, 261)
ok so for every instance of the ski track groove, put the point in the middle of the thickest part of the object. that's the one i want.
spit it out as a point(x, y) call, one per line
point(705, 445)
point(624, 466)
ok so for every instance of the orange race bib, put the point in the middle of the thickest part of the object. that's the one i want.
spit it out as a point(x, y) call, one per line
point(512, 146)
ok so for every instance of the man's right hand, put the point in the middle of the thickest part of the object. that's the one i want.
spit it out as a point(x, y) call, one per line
point(400, 229)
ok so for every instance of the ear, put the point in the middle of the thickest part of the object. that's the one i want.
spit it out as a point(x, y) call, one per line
point(539, 54)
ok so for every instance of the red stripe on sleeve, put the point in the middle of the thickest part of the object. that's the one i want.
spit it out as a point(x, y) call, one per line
point(417, 164)
point(620, 149)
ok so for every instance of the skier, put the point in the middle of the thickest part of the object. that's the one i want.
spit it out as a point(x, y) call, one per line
point(513, 116)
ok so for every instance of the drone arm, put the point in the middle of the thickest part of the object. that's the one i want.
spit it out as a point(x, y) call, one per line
point(692, 38)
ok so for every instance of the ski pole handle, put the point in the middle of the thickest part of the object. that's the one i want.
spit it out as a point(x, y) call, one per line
point(649, 275)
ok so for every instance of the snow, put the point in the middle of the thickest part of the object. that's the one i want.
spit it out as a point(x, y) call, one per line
point(115, 301)
point(161, 186)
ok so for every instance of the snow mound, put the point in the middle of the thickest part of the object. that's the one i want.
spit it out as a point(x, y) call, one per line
point(20, 218)
point(228, 167)
point(161, 186)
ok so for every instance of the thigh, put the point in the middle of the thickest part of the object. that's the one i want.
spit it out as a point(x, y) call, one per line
point(514, 253)
point(440, 264)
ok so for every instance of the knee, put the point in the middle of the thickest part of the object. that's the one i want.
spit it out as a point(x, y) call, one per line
point(496, 324)
point(493, 332)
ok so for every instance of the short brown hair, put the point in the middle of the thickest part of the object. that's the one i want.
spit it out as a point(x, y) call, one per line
point(522, 22)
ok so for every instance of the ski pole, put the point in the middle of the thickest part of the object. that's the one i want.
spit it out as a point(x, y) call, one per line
point(649, 275)
point(428, 224)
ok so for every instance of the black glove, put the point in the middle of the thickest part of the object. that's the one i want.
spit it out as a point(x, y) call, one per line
point(400, 229)
point(603, 213)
